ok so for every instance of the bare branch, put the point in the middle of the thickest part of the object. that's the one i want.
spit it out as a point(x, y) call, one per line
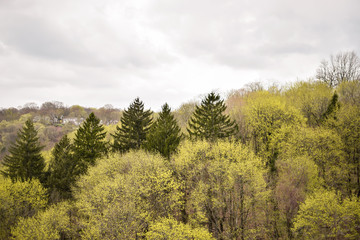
point(343, 67)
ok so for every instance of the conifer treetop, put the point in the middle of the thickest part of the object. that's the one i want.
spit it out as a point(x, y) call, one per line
point(63, 170)
point(209, 121)
point(164, 135)
point(25, 160)
point(89, 142)
point(135, 123)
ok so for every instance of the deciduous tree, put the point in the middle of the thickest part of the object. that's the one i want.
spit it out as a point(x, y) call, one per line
point(311, 98)
point(265, 114)
point(124, 194)
point(348, 128)
point(168, 228)
point(19, 199)
point(343, 67)
point(224, 188)
point(183, 114)
point(324, 215)
point(53, 223)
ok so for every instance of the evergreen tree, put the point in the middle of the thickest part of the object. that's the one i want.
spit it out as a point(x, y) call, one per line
point(135, 123)
point(331, 109)
point(89, 143)
point(164, 135)
point(63, 169)
point(25, 161)
point(209, 122)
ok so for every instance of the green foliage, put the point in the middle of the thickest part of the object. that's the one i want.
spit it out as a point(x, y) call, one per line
point(224, 188)
point(322, 146)
point(19, 199)
point(53, 223)
point(63, 170)
point(311, 98)
point(265, 114)
point(135, 124)
point(330, 113)
point(122, 195)
point(89, 143)
point(209, 122)
point(25, 161)
point(167, 228)
point(310, 145)
point(164, 135)
point(324, 215)
point(348, 127)
point(77, 111)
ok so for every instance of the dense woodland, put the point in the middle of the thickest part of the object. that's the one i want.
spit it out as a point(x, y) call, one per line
point(281, 162)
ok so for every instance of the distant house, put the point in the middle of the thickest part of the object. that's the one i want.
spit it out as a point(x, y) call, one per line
point(55, 120)
point(75, 121)
point(112, 122)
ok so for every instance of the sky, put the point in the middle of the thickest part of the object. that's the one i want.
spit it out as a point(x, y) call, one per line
point(98, 52)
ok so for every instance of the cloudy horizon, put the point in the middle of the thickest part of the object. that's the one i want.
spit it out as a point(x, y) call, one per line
point(92, 53)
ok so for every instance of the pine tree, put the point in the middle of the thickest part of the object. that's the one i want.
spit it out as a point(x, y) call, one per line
point(164, 135)
point(89, 143)
point(209, 122)
point(25, 161)
point(135, 123)
point(63, 169)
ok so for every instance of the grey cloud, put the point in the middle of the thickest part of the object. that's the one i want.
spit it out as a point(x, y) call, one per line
point(117, 50)
point(3, 48)
point(230, 32)
point(92, 41)
point(35, 37)
point(284, 48)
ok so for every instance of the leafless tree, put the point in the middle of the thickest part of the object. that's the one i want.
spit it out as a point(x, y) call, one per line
point(343, 67)
point(254, 87)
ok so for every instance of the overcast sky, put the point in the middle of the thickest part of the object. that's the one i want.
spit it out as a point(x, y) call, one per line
point(97, 52)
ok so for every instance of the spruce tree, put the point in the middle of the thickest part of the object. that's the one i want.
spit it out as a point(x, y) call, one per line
point(25, 161)
point(164, 135)
point(135, 123)
point(63, 169)
point(89, 143)
point(209, 121)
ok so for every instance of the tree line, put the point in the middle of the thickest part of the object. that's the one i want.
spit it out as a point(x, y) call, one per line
point(276, 163)
point(137, 130)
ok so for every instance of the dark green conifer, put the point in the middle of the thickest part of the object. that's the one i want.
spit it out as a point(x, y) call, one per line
point(25, 161)
point(63, 169)
point(209, 121)
point(89, 143)
point(164, 135)
point(135, 123)
point(331, 109)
